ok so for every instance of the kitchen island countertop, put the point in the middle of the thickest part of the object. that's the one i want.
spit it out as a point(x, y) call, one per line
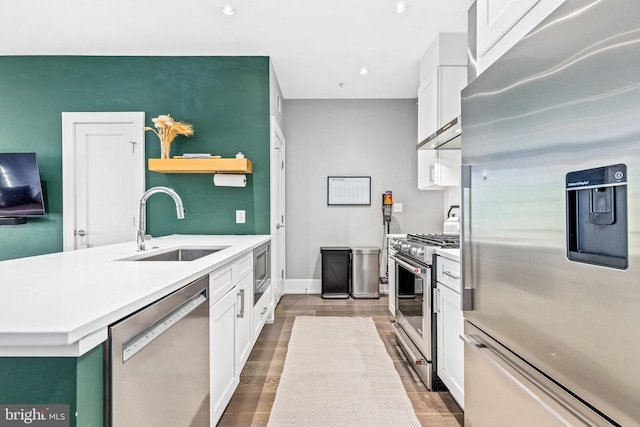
point(61, 304)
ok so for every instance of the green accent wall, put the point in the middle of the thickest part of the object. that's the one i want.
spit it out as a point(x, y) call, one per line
point(77, 382)
point(226, 99)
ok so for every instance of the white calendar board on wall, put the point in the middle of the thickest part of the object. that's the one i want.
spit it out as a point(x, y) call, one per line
point(349, 191)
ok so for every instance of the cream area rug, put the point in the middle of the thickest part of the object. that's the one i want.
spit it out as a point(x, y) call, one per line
point(338, 373)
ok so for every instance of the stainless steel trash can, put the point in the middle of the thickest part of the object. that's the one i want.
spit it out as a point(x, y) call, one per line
point(365, 272)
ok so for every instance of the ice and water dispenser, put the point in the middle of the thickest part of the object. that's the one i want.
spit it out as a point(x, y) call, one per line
point(597, 216)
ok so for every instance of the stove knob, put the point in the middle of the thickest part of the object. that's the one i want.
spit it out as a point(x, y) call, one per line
point(404, 247)
point(420, 252)
point(413, 251)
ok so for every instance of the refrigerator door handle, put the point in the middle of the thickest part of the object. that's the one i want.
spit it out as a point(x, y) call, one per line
point(503, 362)
point(466, 254)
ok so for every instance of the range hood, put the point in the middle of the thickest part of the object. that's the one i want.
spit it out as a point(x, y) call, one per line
point(445, 138)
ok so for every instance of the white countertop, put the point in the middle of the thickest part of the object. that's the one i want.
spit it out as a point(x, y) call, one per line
point(62, 303)
point(452, 254)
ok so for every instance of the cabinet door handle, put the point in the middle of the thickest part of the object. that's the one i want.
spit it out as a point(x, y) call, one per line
point(264, 310)
point(450, 274)
point(431, 173)
point(241, 295)
point(436, 300)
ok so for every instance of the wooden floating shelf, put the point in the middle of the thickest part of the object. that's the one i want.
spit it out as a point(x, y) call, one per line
point(200, 165)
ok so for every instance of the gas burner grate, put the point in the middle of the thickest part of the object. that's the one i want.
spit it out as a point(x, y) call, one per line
point(442, 240)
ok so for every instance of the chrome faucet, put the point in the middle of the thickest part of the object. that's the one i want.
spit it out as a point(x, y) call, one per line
point(142, 216)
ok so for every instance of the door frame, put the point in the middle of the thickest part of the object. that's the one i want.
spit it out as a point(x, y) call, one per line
point(69, 122)
point(276, 132)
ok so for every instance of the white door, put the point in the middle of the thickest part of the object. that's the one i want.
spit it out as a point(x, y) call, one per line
point(103, 177)
point(278, 235)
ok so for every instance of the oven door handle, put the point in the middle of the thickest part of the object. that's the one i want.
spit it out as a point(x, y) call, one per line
point(408, 266)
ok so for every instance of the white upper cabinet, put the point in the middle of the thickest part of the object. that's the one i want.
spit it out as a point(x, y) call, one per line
point(443, 75)
point(427, 110)
point(452, 80)
point(439, 99)
point(438, 169)
point(502, 23)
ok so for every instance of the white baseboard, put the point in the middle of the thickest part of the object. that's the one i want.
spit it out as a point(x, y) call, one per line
point(384, 289)
point(314, 287)
point(303, 286)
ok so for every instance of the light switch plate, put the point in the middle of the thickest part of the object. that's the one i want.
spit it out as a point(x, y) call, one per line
point(240, 217)
point(397, 207)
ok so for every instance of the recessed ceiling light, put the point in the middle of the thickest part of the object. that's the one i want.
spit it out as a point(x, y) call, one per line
point(364, 71)
point(401, 7)
point(228, 10)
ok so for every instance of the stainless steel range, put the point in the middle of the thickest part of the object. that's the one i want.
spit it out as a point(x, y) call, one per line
point(415, 321)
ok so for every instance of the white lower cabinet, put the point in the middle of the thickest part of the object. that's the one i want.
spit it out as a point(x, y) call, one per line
point(450, 326)
point(244, 320)
point(231, 329)
point(261, 312)
point(224, 377)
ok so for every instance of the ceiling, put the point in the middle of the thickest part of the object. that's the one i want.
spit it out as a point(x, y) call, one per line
point(318, 47)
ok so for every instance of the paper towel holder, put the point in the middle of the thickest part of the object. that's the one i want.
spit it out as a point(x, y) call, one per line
point(229, 180)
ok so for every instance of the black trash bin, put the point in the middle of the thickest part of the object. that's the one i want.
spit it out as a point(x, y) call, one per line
point(336, 271)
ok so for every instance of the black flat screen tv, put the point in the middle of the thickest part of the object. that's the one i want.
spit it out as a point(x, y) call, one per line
point(20, 188)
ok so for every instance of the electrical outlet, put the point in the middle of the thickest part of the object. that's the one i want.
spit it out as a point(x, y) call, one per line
point(240, 217)
point(397, 207)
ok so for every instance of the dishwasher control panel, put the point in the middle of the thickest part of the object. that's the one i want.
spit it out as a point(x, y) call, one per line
point(145, 338)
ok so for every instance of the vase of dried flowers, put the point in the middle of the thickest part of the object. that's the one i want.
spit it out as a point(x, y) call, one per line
point(166, 128)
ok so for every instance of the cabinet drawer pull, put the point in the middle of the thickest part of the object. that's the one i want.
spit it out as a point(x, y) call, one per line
point(450, 274)
point(264, 310)
point(241, 295)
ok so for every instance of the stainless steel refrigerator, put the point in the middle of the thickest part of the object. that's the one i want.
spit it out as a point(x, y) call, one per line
point(551, 224)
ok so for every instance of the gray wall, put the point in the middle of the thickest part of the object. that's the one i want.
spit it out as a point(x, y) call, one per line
point(374, 138)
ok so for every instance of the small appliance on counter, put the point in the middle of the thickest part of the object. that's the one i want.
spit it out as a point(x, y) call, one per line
point(452, 224)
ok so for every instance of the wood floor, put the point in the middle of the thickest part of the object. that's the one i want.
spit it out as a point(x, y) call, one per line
point(252, 401)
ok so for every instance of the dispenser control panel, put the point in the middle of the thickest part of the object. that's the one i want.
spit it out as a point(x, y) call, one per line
point(597, 216)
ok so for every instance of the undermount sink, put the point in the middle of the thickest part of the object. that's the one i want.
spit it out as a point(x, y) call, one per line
point(179, 254)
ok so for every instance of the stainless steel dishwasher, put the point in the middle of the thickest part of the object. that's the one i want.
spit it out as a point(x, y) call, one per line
point(159, 363)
